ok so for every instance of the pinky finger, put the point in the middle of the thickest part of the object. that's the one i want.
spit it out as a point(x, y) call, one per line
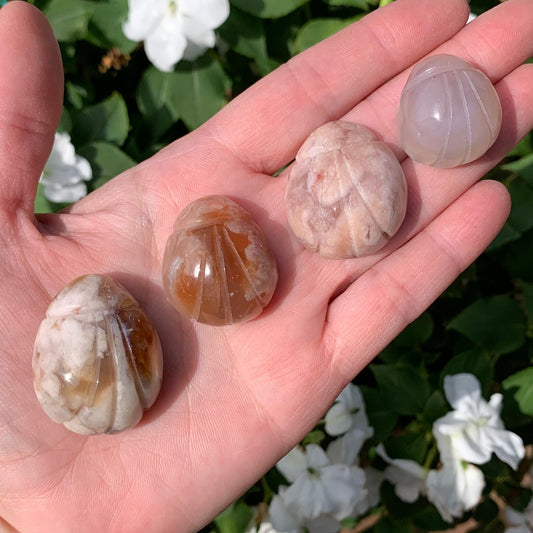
point(386, 298)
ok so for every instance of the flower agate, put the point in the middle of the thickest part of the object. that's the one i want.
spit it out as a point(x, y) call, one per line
point(97, 360)
point(217, 267)
point(346, 193)
point(449, 112)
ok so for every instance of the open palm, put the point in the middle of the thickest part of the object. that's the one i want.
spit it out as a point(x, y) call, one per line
point(234, 399)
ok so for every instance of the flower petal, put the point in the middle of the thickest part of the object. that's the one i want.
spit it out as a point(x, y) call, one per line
point(345, 449)
point(64, 194)
point(338, 420)
point(316, 456)
point(344, 488)
point(198, 33)
point(143, 18)
point(323, 524)
point(280, 517)
point(83, 168)
point(454, 489)
point(293, 464)
point(508, 446)
point(463, 392)
point(165, 46)
point(306, 498)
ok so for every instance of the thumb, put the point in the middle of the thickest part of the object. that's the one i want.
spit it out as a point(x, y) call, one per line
point(31, 94)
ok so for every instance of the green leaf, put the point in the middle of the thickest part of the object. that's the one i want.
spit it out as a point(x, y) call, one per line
point(486, 511)
point(522, 166)
point(106, 121)
point(65, 124)
point(429, 519)
point(69, 19)
point(194, 92)
point(417, 332)
point(42, 204)
point(107, 161)
point(315, 437)
point(521, 384)
point(155, 98)
point(317, 30)
point(361, 4)
point(495, 323)
point(411, 446)
point(476, 361)
point(235, 519)
point(519, 259)
point(406, 391)
point(201, 89)
point(268, 8)
point(246, 35)
point(435, 407)
point(507, 234)
point(76, 95)
point(380, 415)
point(522, 201)
point(105, 26)
point(527, 291)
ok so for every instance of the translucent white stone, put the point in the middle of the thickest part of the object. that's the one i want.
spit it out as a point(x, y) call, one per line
point(449, 112)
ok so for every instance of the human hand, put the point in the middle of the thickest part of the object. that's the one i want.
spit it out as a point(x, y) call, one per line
point(234, 399)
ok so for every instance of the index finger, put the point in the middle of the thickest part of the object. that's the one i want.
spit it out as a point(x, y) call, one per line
point(270, 120)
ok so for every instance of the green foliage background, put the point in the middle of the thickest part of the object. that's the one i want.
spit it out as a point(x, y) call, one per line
point(482, 324)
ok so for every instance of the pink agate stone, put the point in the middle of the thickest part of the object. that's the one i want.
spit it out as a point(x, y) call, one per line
point(449, 112)
point(346, 193)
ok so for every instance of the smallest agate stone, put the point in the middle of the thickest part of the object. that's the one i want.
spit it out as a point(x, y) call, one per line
point(218, 268)
point(346, 193)
point(449, 112)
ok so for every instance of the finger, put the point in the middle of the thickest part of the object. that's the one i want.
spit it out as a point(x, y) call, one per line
point(398, 289)
point(270, 120)
point(31, 85)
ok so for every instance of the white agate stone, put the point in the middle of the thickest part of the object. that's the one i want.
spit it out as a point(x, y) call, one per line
point(449, 112)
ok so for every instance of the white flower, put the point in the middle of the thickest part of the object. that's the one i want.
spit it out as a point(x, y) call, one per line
point(283, 520)
point(318, 487)
point(174, 29)
point(474, 426)
point(373, 480)
point(65, 172)
point(408, 477)
point(457, 486)
point(345, 449)
point(348, 412)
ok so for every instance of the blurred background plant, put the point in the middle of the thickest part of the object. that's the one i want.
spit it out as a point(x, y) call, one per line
point(437, 433)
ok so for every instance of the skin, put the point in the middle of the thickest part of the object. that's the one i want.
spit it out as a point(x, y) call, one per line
point(234, 399)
